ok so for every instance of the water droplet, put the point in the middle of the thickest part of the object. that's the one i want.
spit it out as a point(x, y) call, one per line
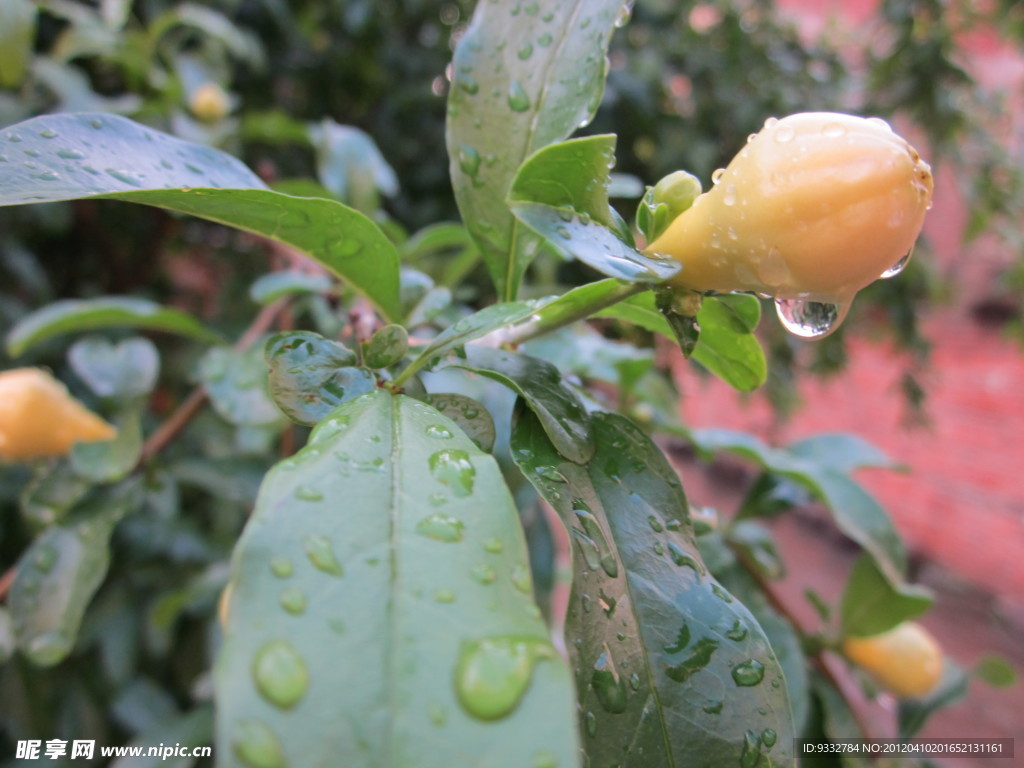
point(681, 641)
point(468, 84)
point(682, 559)
point(748, 673)
point(608, 687)
point(469, 160)
point(587, 548)
point(751, 754)
point(810, 319)
point(717, 175)
point(880, 123)
point(70, 154)
point(784, 133)
point(595, 533)
point(256, 745)
point(453, 468)
point(128, 177)
point(292, 600)
point(493, 674)
point(320, 552)
point(522, 579)
point(45, 558)
point(525, 52)
point(587, 603)
point(281, 567)
point(550, 473)
point(659, 548)
point(833, 130)
point(721, 594)
point(625, 14)
point(634, 681)
point(655, 524)
point(440, 528)
point(729, 198)
point(493, 546)
point(590, 722)
point(14, 138)
point(544, 760)
point(280, 674)
point(444, 595)
point(483, 574)
point(544, 40)
point(438, 432)
point(769, 737)
point(437, 499)
point(713, 707)
point(738, 631)
point(307, 493)
point(518, 101)
point(703, 649)
point(898, 267)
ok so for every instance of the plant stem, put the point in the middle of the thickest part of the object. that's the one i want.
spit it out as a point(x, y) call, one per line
point(562, 312)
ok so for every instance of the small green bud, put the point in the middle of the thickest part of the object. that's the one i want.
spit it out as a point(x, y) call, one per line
point(664, 201)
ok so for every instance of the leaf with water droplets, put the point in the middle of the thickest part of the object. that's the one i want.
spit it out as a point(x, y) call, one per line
point(122, 160)
point(520, 81)
point(58, 575)
point(361, 618)
point(540, 384)
point(470, 416)
point(236, 383)
point(664, 618)
point(75, 315)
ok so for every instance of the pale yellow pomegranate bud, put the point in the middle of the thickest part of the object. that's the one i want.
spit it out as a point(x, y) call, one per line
point(38, 418)
point(209, 103)
point(815, 207)
point(906, 660)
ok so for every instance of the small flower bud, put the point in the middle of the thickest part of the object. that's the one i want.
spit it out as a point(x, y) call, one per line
point(663, 202)
point(209, 103)
point(815, 207)
point(906, 660)
point(38, 418)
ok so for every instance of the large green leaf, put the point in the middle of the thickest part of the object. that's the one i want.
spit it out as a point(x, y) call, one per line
point(58, 575)
point(524, 76)
point(539, 383)
point(871, 605)
point(124, 370)
point(70, 157)
point(74, 315)
point(380, 609)
point(671, 669)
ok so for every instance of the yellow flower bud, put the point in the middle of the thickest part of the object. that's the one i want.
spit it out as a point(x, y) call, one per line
point(38, 418)
point(906, 660)
point(209, 103)
point(815, 207)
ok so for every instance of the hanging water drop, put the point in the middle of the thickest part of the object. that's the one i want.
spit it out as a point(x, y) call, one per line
point(898, 267)
point(717, 174)
point(810, 319)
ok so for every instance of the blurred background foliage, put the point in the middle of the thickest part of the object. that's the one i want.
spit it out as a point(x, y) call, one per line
point(346, 98)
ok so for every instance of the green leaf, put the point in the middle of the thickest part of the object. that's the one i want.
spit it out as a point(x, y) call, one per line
point(17, 36)
point(671, 668)
point(523, 77)
point(871, 605)
point(914, 713)
point(757, 545)
point(580, 350)
point(193, 729)
point(386, 347)
point(855, 511)
point(467, 329)
point(58, 575)
point(350, 165)
point(236, 383)
point(123, 370)
point(380, 609)
point(838, 720)
point(995, 670)
point(577, 236)
point(74, 315)
point(841, 451)
point(275, 285)
point(470, 416)
point(311, 375)
point(726, 346)
point(539, 383)
point(571, 175)
point(107, 461)
point(108, 157)
point(51, 493)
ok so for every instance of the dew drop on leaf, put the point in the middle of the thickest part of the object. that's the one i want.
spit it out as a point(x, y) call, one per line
point(306, 493)
point(453, 468)
point(749, 673)
point(440, 528)
point(609, 688)
point(492, 674)
point(320, 552)
point(281, 567)
point(293, 600)
point(280, 674)
point(256, 745)
point(518, 101)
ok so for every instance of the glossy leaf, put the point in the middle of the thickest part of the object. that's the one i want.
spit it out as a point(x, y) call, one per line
point(871, 605)
point(107, 461)
point(523, 77)
point(75, 315)
point(539, 383)
point(122, 370)
point(582, 302)
point(671, 668)
point(470, 416)
point(856, 512)
point(310, 375)
point(236, 383)
point(58, 575)
point(577, 236)
point(386, 347)
point(380, 602)
point(275, 285)
point(571, 175)
point(104, 156)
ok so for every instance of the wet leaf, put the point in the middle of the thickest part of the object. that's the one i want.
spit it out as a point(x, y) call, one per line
point(386, 347)
point(310, 375)
point(539, 383)
point(236, 383)
point(74, 315)
point(523, 77)
point(470, 416)
point(79, 156)
point(671, 668)
point(391, 539)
